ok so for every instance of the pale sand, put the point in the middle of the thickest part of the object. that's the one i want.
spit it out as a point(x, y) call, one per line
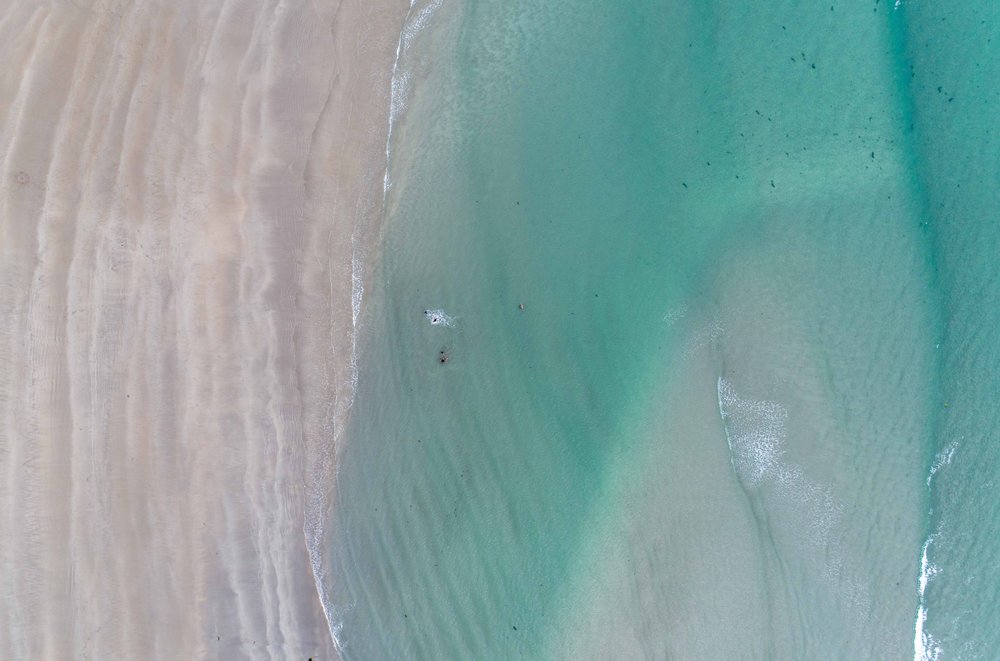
point(181, 182)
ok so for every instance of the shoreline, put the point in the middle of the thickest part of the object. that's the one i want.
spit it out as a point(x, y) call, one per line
point(186, 192)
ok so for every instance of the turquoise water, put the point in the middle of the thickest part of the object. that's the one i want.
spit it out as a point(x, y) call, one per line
point(753, 266)
point(953, 92)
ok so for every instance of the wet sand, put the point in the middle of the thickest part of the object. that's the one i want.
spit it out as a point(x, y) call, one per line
point(186, 188)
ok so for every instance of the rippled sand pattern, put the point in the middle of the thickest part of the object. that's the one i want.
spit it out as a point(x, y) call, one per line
point(185, 187)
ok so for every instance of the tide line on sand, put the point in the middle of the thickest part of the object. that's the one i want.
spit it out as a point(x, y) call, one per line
point(183, 269)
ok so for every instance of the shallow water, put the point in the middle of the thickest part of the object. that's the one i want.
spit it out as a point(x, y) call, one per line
point(955, 142)
point(708, 434)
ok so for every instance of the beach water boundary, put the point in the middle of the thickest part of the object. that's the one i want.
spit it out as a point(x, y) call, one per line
point(363, 240)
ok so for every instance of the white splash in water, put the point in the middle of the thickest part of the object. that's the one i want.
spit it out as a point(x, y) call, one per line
point(439, 318)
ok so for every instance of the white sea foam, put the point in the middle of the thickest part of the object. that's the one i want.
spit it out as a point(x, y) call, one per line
point(701, 339)
point(439, 317)
point(415, 23)
point(357, 284)
point(925, 646)
point(324, 469)
point(815, 508)
point(942, 459)
point(674, 315)
point(755, 431)
point(321, 474)
point(417, 19)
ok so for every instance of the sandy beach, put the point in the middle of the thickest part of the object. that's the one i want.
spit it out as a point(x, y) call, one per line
point(187, 189)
